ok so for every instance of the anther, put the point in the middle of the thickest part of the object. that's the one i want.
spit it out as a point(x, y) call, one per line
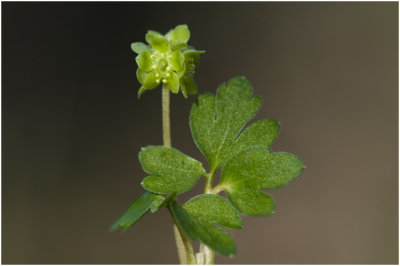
point(154, 66)
point(157, 80)
point(168, 68)
point(157, 75)
point(164, 81)
point(168, 75)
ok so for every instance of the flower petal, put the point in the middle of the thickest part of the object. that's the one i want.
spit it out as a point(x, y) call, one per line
point(160, 44)
point(169, 34)
point(182, 72)
point(173, 82)
point(190, 85)
point(139, 47)
point(193, 54)
point(150, 82)
point(141, 90)
point(141, 75)
point(178, 46)
point(144, 61)
point(177, 61)
point(181, 33)
point(183, 89)
point(151, 34)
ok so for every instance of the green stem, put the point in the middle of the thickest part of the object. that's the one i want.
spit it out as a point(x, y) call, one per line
point(165, 116)
point(205, 252)
point(186, 247)
point(217, 189)
point(180, 246)
point(183, 245)
point(209, 182)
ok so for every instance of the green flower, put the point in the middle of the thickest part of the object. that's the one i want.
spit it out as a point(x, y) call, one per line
point(168, 60)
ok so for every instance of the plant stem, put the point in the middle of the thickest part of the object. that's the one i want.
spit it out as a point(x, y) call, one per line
point(208, 189)
point(206, 252)
point(165, 117)
point(180, 246)
point(183, 245)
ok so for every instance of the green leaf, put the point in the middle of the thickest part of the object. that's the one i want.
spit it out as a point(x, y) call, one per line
point(196, 228)
point(249, 201)
point(157, 204)
point(139, 47)
point(177, 61)
point(254, 169)
point(137, 209)
point(214, 209)
point(172, 170)
point(216, 122)
point(144, 61)
point(162, 202)
point(262, 132)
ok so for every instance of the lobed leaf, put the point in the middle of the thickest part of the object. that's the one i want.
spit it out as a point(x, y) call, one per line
point(162, 202)
point(197, 228)
point(216, 122)
point(136, 210)
point(254, 169)
point(214, 209)
point(172, 170)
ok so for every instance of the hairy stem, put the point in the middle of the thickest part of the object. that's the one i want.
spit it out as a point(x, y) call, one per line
point(165, 116)
point(183, 245)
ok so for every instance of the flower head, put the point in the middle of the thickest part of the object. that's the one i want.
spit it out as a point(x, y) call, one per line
point(168, 59)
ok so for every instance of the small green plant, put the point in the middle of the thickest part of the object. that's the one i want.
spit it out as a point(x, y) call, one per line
point(218, 125)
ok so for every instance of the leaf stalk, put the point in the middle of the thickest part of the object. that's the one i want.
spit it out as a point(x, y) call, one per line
point(206, 254)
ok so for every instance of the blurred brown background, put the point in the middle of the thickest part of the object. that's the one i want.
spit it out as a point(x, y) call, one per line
point(72, 127)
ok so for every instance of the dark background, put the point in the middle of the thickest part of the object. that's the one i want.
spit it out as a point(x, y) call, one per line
point(72, 127)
